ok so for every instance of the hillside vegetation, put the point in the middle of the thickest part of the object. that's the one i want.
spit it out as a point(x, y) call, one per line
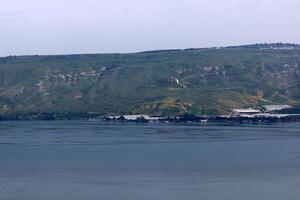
point(200, 81)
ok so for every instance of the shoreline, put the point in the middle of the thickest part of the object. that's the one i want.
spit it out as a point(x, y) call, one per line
point(186, 119)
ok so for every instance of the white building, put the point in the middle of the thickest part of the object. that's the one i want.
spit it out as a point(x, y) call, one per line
point(272, 108)
point(135, 117)
point(248, 111)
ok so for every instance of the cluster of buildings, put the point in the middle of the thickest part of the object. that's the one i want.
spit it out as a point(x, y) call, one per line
point(267, 110)
point(146, 118)
point(134, 118)
point(267, 113)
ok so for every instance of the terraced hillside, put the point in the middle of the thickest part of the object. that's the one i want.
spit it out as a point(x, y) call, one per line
point(201, 81)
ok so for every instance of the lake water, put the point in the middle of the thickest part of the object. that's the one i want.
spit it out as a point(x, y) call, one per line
point(81, 160)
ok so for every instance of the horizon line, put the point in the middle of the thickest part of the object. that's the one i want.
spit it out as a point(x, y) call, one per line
point(157, 50)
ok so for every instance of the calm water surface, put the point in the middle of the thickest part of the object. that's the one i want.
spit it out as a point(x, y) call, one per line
point(81, 160)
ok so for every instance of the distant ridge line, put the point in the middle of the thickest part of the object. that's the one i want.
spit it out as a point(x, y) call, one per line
point(246, 46)
point(278, 45)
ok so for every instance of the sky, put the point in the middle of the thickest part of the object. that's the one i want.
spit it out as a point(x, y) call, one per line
point(40, 27)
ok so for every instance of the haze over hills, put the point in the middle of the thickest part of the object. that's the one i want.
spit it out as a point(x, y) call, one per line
point(168, 82)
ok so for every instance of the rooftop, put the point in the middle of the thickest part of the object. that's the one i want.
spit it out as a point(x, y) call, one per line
point(248, 110)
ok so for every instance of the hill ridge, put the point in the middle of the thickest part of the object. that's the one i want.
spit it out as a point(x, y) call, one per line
point(206, 80)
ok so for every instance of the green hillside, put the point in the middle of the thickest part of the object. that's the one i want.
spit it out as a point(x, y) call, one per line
point(171, 82)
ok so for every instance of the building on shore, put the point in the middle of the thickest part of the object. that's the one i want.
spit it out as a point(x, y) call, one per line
point(274, 108)
point(135, 117)
point(144, 117)
point(247, 111)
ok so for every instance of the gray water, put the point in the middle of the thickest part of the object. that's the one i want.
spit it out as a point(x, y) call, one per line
point(80, 160)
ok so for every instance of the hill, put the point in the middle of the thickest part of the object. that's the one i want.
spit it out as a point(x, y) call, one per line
point(200, 81)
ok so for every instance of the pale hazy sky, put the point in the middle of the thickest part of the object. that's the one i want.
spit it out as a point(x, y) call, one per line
point(99, 26)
